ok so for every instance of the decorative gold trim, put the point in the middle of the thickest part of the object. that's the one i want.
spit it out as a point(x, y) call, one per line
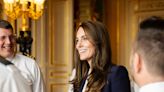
point(58, 74)
point(149, 5)
point(56, 86)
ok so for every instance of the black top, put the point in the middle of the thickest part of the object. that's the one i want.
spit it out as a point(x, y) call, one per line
point(82, 84)
point(117, 80)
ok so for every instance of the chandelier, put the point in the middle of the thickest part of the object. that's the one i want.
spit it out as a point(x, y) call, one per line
point(23, 8)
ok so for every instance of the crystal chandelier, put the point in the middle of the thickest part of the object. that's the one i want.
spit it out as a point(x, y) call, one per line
point(23, 8)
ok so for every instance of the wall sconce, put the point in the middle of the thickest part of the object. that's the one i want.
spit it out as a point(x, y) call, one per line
point(24, 9)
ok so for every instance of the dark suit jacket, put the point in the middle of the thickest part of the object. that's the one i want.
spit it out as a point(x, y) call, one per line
point(118, 80)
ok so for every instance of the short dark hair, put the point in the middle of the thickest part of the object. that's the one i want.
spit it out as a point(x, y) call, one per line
point(5, 24)
point(150, 44)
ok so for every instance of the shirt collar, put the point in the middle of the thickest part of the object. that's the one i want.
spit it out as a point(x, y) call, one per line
point(153, 87)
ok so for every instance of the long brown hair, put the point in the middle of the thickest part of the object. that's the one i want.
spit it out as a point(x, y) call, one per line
point(101, 62)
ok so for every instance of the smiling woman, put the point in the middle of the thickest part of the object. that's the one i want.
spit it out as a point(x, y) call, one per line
point(84, 46)
point(94, 70)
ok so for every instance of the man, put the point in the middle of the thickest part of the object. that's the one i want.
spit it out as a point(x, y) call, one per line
point(147, 58)
point(11, 78)
point(18, 73)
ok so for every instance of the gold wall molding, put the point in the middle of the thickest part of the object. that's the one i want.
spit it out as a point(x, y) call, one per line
point(59, 87)
point(59, 46)
point(150, 5)
point(60, 74)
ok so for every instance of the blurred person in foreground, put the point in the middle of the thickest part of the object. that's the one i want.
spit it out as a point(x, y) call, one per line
point(147, 58)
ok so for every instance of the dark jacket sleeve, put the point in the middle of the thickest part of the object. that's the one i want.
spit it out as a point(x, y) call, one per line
point(118, 80)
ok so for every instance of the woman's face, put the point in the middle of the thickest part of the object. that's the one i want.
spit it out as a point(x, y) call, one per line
point(84, 47)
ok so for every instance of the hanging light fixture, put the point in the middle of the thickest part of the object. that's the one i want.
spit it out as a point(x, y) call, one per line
point(24, 8)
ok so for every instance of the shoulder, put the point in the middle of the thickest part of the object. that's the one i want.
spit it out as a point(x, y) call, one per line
point(23, 59)
point(70, 88)
point(73, 74)
point(118, 72)
point(24, 62)
point(116, 69)
point(117, 80)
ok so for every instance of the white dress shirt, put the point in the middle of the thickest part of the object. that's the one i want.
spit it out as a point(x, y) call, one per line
point(30, 71)
point(11, 80)
point(153, 87)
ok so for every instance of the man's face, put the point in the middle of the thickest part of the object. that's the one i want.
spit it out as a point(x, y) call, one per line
point(7, 43)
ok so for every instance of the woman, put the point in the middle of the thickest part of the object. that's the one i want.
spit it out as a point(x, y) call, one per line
point(94, 71)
